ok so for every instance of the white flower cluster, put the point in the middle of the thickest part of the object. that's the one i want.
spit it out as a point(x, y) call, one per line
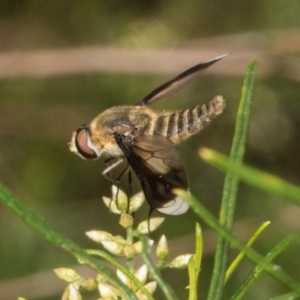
point(129, 247)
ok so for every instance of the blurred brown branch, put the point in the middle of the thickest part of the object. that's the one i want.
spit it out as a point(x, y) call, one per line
point(270, 48)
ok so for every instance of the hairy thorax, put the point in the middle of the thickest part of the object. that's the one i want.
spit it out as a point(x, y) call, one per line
point(122, 119)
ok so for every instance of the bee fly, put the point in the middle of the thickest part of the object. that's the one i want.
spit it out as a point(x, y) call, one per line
point(147, 139)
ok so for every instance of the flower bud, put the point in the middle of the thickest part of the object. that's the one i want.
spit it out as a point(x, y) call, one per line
point(151, 286)
point(66, 293)
point(130, 251)
point(123, 277)
point(113, 247)
point(71, 293)
point(141, 296)
point(119, 239)
point(89, 284)
point(98, 235)
point(150, 225)
point(126, 220)
point(136, 201)
point(111, 205)
point(107, 291)
point(120, 198)
point(138, 246)
point(68, 275)
point(181, 261)
point(162, 250)
point(141, 274)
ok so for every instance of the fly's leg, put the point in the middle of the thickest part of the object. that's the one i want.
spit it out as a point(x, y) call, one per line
point(110, 164)
point(107, 163)
point(129, 184)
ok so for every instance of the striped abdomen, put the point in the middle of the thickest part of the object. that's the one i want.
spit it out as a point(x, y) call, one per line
point(180, 125)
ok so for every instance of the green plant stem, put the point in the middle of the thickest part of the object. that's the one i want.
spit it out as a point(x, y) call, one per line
point(130, 261)
point(124, 270)
point(258, 259)
point(57, 239)
point(289, 296)
point(195, 265)
point(231, 183)
point(166, 289)
point(278, 249)
point(259, 179)
point(240, 256)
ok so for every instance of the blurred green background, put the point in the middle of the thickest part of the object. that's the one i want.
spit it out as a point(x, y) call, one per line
point(63, 62)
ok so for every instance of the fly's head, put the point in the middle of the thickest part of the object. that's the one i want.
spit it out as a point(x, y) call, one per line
point(83, 145)
point(93, 140)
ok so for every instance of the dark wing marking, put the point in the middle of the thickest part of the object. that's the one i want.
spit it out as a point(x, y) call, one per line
point(172, 86)
point(159, 169)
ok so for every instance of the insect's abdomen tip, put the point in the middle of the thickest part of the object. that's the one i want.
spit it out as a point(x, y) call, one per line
point(219, 104)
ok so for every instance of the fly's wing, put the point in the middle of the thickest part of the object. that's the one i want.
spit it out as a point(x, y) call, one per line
point(159, 169)
point(175, 84)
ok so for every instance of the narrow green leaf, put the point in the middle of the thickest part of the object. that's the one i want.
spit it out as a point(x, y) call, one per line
point(57, 239)
point(199, 247)
point(193, 282)
point(124, 270)
point(238, 259)
point(278, 249)
point(289, 296)
point(166, 289)
point(259, 179)
point(258, 259)
point(195, 264)
point(231, 182)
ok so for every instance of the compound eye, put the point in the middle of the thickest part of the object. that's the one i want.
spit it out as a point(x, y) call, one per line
point(82, 144)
